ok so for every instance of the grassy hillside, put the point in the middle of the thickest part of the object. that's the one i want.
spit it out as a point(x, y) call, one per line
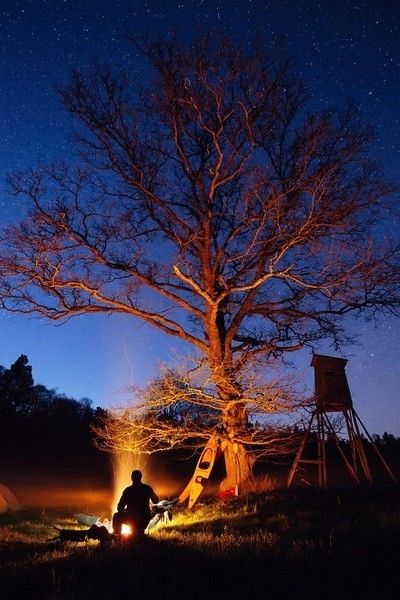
point(291, 544)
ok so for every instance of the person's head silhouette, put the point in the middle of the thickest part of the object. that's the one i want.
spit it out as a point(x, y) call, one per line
point(136, 476)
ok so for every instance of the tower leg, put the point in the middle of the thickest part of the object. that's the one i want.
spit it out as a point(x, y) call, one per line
point(351, 436)
point(299, 452)
point(357, 420)
point(358, 445)
point(346, 461)
point(322, 472)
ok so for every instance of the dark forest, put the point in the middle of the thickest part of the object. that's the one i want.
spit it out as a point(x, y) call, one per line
point(44, 433)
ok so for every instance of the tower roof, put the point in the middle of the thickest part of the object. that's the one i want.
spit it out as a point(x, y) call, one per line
point(320, 359)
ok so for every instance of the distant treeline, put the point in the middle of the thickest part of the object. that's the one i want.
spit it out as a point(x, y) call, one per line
point(46, 433)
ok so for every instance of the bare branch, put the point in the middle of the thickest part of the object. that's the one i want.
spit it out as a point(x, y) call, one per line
point(209, 204)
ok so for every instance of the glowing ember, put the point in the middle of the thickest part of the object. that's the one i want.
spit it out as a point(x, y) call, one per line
point(126, 529)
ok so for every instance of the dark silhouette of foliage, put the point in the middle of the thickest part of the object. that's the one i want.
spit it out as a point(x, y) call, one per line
point(43, 430)
point(16, 386)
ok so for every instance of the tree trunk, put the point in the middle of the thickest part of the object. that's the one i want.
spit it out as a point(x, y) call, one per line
point(237, 466)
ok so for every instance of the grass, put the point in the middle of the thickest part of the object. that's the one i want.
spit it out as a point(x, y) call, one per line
point(284, 544)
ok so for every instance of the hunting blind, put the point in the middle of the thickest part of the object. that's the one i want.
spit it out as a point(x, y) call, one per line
point(332, 395)
point(332, 392)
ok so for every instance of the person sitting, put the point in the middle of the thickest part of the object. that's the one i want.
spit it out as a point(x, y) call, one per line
point(133, 509)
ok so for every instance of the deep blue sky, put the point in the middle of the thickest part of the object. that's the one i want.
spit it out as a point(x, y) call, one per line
point(345, 50)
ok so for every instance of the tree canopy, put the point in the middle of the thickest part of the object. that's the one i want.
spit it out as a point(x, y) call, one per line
point(210, 204)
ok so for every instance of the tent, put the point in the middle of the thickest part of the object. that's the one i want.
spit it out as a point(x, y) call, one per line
point(7, 500)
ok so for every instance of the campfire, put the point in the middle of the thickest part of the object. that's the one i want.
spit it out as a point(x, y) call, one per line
point(126, 529)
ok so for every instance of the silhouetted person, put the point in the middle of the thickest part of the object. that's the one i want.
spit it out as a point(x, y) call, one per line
point(134, 506)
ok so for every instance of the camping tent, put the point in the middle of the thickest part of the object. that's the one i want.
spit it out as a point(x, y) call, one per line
point(7, 500)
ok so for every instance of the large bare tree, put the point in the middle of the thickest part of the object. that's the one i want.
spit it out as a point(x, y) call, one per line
point(211, 205)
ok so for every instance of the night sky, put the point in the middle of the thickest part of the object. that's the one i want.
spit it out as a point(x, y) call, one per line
point(344, 49)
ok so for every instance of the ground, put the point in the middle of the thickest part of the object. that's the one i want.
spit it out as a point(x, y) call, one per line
point(282, 544)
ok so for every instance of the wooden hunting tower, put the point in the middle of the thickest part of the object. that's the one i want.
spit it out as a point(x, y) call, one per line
point(332, 392)
point(332, 395)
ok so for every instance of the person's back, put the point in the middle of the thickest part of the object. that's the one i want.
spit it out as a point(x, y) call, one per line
point(134, 505)
point(135, 500)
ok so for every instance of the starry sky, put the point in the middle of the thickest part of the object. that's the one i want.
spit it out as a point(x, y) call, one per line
point(344, 49)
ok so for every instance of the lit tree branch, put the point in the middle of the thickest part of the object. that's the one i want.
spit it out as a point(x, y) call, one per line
point(212, 206)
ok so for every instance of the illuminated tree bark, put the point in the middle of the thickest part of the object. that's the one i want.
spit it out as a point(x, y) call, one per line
point(210, 205)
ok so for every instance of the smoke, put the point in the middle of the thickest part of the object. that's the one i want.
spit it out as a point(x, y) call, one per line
point(123, 465)
point(165, 484)
point(88, 499)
